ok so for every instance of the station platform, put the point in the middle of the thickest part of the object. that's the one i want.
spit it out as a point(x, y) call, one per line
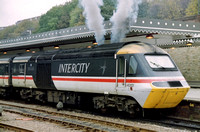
point(193, 95)
point(194, 84)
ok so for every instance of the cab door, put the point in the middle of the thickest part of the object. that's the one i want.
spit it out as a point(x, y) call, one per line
point(22, 72)
point(6, 75)
point(121, 68)
point(19, 75)
point(2, 74)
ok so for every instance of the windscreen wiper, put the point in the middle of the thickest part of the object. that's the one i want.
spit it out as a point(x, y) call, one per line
point(157, 65)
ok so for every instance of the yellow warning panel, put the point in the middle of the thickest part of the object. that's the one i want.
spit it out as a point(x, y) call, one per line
point(165, 97)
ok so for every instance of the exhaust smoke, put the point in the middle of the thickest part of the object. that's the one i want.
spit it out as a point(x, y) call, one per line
point(94, 19)
point(126, 14)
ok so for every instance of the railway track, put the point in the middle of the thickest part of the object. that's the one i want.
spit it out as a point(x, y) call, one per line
point(71, 121)
point(13, 128)
point(175, 122)
point(180, 122)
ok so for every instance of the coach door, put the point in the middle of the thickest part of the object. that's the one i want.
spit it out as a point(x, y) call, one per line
point(2, 75)
point(43, 78)
point(121, 73)
point(4, 72)
point(19, 71)
point(6, 75)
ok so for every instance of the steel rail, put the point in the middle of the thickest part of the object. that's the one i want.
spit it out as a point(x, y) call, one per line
point(115, 125)
point(13, 128)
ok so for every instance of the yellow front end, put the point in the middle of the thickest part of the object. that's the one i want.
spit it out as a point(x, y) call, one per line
point(165, 97)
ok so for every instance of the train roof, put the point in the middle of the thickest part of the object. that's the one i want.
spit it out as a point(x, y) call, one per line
point(126, 47)
point(107, 50)
point(136, 48)
point(104, 50)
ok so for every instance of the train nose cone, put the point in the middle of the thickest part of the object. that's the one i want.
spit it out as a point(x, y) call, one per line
point(165, 97)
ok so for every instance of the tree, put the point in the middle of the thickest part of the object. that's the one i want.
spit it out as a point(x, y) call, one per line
point(26, 27)
point(49, 20)
point(192, 8)
point(8, 32)
point(184, 4)
point(58, 17)
point(107, 9)
point(166, 9)
point(154, 10)
point(77, 17)
point(143, 9)
point(170, 9)
point(20, 29)
point(65, 20)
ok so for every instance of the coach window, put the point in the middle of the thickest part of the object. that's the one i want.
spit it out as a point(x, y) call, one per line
point(14, 68)
point(132, 65)
point(21, 68)
point(121, 63)
point(1, 69)
point(6, 69)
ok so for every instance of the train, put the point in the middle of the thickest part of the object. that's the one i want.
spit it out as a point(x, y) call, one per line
point(128, 76)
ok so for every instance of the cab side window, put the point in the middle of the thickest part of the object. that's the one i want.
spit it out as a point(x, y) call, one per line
point(14, 68)
point(1, 69)
point(132, 65)
point(6, 69)
point(121, 64)
point(21, 68)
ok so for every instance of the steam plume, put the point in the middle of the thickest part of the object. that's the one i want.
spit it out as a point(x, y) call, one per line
point(94, 19)
point(126, 14)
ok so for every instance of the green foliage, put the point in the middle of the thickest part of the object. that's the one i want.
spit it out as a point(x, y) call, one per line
point(21, 29)
point(49, 21)
point(107, 9)
point(70, 15)
point(184, 4)
point(170, 9)
point(165, 9)
point(76, 17)
point(192, 8)
point(27, 27)
point(8, 32)
point(58, 17)
point(143, 9)
point(64, 20)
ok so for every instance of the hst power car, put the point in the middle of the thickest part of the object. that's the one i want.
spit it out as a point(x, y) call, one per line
point(127, 76)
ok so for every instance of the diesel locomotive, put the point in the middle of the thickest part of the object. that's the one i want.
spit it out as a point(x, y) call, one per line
point(127, 76)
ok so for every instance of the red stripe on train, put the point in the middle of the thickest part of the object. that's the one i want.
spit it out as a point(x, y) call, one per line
point(84, 79)
point(4, 77)
point(27, 78)
point(114, 80)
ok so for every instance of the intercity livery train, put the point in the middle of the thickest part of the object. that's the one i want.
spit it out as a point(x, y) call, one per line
point(128, 77)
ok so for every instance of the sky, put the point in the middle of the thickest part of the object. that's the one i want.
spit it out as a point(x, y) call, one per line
point(12, 11)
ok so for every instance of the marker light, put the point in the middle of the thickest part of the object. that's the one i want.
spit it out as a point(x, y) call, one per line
point(149, 36)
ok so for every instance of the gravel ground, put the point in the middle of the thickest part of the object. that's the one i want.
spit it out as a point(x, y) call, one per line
point(40, 126)
point(31, 124)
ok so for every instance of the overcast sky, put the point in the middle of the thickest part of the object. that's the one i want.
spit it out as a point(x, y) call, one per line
point(12, 11)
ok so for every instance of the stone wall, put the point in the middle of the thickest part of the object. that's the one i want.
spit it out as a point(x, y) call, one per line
point(188, 61)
